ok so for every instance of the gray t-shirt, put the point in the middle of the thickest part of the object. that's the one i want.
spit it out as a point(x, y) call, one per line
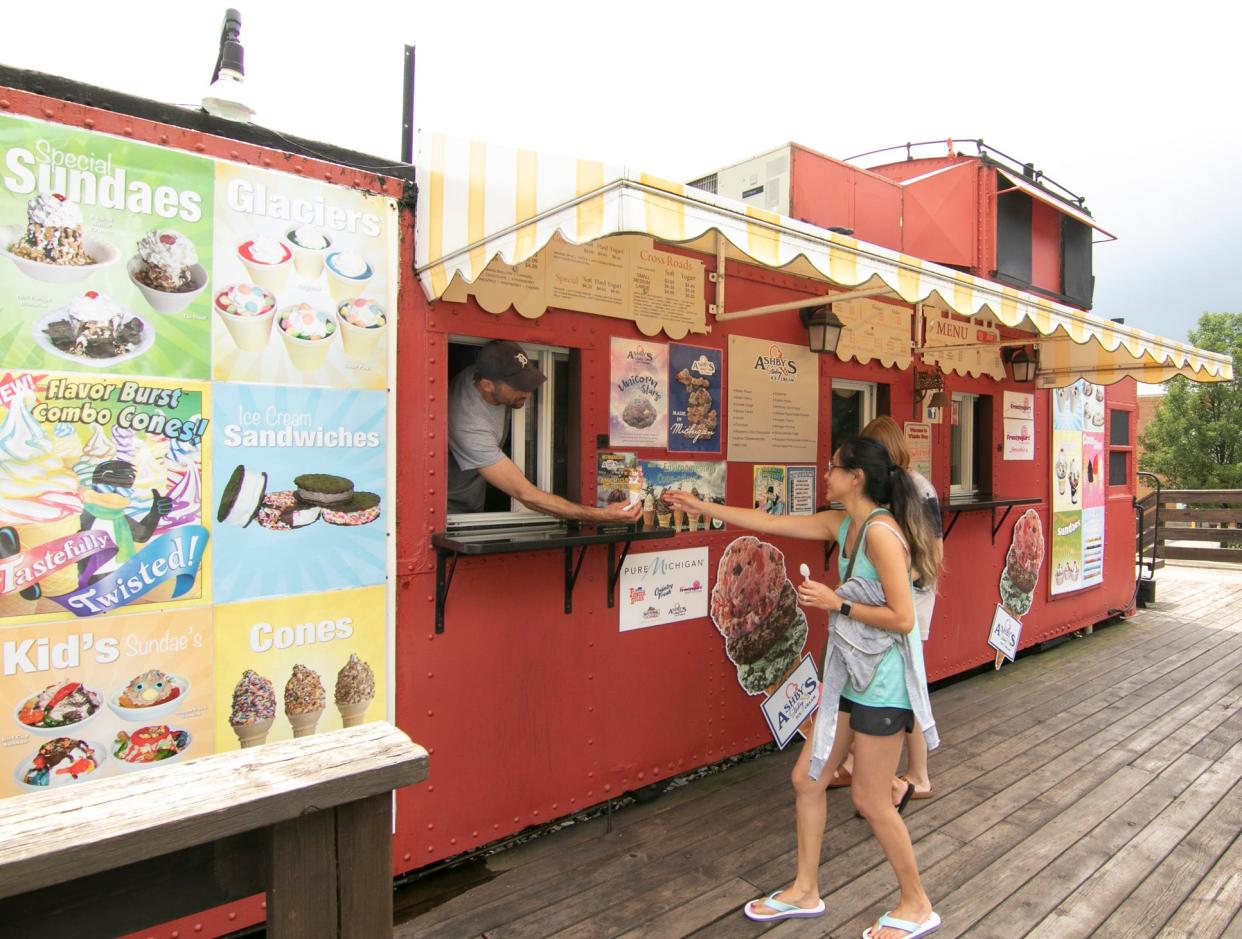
point(476, 431)
point(931, 501)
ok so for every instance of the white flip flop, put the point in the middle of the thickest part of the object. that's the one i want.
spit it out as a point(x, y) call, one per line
point(912, 930)
point(783, 910)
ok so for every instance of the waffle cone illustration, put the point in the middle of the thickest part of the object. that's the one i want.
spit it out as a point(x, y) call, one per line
point(304, 724)
point(353, 714)
point(252, 735)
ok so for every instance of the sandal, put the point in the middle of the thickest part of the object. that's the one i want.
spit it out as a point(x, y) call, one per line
point(783, 910)
point(919, 795)
point(841, 779)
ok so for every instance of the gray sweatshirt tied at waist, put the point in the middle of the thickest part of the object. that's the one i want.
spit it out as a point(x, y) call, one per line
point(854, 653)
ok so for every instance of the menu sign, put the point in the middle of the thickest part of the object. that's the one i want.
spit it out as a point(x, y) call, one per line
point(624, 276)
point(874, 331)
point(193, 455)
point(1078, 493)
point(773, 401)
point(981, 358)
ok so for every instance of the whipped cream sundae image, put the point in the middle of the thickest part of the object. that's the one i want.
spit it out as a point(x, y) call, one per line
point(166, 270)
point(309, 245)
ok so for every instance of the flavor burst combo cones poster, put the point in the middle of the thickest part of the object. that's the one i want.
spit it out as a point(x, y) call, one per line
point(194, 359)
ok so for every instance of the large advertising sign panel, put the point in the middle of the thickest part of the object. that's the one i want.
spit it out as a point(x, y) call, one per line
point(194, 471)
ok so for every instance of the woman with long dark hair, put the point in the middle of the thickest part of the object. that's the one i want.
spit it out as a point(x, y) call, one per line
point(884, 533)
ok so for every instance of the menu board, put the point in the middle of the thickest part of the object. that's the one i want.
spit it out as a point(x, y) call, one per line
point(623, 276)
point(874, 331)
point(1078, 489)
point(773, 401)
point(946, 330)
point(194, 471)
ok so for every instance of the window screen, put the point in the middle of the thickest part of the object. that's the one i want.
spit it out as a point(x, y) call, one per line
point(1118, 468)
point(1119, 428)
point(1013, 232)
point(1077, 279)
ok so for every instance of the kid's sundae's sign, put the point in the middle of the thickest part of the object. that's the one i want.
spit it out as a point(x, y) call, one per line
point(139, 288)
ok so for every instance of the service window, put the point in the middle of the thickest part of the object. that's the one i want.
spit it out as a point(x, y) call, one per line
point(854, 405)
point(970, 454)
point(1120, 447)
point(536, 439)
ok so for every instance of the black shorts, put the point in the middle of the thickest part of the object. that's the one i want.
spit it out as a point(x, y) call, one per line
point(875, 721)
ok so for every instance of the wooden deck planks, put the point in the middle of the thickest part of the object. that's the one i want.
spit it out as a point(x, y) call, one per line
point(1092, 788)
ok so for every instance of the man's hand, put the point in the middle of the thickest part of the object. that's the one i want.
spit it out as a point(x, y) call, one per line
point(621, 513)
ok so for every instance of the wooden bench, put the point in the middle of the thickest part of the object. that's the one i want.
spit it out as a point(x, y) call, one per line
point(308, 820)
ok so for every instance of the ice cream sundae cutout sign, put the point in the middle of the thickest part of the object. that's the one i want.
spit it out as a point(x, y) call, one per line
point(1017, 585)
point(100, 493)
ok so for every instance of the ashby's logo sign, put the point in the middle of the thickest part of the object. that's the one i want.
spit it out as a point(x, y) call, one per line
point(639, 354)
point(777, 367)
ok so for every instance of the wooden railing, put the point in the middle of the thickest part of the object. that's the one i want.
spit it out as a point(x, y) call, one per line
point(1209, 518)
point(308, 820)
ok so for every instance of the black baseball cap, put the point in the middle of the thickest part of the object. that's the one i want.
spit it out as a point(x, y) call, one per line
point(501, 360)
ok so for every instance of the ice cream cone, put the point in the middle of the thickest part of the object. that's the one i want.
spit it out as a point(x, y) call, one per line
point(64, 580)
point(679, 517)
point(666, 519)
point(353, 714)
point(649, 518)
point(307, 355)
point(251, 735)
point(304, 724)
point(250, 333)
point(360, 342)
point(694, 520)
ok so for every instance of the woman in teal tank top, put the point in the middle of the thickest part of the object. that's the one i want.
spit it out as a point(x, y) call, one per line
point(863, 479)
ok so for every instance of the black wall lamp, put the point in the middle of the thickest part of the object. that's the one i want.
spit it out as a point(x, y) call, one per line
point(1023, 363)
point(823, 328)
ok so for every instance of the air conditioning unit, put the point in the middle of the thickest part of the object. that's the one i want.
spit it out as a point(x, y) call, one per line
point(761, 181)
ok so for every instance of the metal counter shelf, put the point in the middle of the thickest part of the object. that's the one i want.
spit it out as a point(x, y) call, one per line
point(569, 538)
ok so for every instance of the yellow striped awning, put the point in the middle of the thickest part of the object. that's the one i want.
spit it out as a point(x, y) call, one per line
point(477, 203)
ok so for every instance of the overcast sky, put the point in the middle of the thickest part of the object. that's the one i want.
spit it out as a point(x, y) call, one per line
point(1133, 110)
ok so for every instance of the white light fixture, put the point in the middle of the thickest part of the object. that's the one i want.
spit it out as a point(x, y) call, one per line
point(227, 96)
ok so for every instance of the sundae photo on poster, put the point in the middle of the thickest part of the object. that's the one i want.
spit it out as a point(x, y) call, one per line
point(304, 285)
point(100, 493)
point(300, 477)
point(127, 693)
point(755, 608)
point(105, 253)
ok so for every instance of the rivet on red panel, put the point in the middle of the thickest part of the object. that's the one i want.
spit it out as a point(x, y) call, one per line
point(200, 147)
point(406, 856)
point(232, 916)
point(233, 154)
point(4, 103)
point(267, 161)
point(48, 112)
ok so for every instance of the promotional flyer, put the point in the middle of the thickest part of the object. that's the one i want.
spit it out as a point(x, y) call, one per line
point(105, 252)
point(1078, 493)
point(299, 498)
point(696, 405)
point(189, 350)
point(305, 281)
point(638, 394)
point(294, 666)
point(663, 587)
point(85, 700)
point(101, 489)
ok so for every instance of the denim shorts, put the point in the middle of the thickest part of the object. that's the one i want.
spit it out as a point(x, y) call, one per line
point(877, 721)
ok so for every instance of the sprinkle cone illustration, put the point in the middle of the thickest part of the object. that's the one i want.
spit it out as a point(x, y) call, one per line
point(355, 690)
point(305, 699)
point(254, 709)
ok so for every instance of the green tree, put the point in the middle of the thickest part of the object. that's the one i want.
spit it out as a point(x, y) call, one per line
point(1194, 440)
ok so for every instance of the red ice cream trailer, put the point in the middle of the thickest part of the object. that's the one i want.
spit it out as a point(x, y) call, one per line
point(549, 668)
